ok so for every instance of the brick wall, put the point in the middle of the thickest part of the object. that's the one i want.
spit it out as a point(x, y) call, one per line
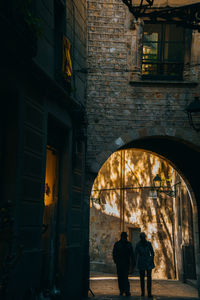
point(124, 110)
point(117, 99)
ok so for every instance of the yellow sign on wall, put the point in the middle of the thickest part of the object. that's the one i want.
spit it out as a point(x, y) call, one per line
point(66, 62)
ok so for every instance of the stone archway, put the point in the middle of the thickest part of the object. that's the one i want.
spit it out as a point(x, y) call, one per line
point(179, 147)
point(189, 137)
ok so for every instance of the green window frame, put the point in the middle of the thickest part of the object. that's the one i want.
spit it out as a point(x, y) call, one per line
point(163, 51)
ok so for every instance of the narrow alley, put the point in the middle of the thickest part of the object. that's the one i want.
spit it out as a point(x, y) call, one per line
point(99, 139)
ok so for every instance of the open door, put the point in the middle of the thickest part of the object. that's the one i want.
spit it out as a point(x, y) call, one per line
point(50, 218)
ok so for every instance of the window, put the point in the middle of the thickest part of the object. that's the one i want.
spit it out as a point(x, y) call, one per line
point(163, 51)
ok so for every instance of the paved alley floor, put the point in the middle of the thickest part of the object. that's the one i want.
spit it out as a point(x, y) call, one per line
point(105, 287)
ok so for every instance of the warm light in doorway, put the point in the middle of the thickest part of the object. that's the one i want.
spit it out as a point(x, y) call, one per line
point(51, 177)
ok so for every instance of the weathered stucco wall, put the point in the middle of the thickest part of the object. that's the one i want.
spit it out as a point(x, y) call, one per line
point(133, 209)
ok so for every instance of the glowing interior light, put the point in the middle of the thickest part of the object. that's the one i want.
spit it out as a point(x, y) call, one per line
point(50, 178)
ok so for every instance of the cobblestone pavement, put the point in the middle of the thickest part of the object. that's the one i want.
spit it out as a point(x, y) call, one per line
point(106, 288)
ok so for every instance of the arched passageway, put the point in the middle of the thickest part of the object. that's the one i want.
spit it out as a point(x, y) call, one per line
point(184, 158)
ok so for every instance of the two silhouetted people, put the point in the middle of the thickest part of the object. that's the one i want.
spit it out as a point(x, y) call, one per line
point(145, 262)
point(124, 259)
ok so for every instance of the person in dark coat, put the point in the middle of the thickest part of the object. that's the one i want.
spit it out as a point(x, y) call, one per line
point(124, 259)
point(145, 262)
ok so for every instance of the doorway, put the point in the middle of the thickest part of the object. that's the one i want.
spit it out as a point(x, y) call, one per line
point(134, 236)
point(49, 236)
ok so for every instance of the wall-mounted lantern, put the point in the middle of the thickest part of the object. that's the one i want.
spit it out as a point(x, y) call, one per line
point(170, 191)
point(193, 111)
point(157, 182)
point(157, 187)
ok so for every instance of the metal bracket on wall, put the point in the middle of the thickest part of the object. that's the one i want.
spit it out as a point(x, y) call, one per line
point(187, 16)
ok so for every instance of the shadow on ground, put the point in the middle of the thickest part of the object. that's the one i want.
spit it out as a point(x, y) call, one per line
point(106, 287)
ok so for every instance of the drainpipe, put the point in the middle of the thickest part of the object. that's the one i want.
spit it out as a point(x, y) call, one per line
point(173, 241)
point(122, 184)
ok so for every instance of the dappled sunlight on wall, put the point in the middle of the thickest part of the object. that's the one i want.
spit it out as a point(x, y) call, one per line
point(121, 201)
